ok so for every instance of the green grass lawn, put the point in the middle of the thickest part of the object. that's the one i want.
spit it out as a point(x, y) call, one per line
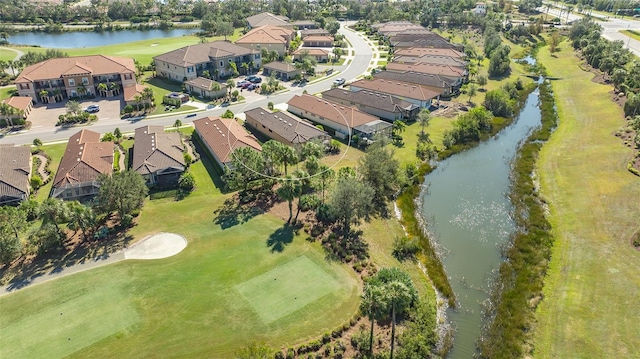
point(6, 91)
point(632, 33)
point(592, 290)
point(55, 152)
point(7, 55)
point(188, 305)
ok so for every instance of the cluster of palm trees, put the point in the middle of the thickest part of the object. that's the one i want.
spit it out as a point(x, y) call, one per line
point(146, 96)
point(108, 88)
point(388, 294)
point(12, 65)
point(9, 114)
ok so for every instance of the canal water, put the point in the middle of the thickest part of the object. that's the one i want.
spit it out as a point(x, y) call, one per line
point(77, 39)
point(468, 212)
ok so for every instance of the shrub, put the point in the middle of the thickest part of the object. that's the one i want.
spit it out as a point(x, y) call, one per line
point(187, 182)
point(270, 105)
point(36, 182)
point(405, 248)
point(290, 353)
point(127, 109)
point(326, 213)
point(187, 159)
point(228, 114)
point(309, 202)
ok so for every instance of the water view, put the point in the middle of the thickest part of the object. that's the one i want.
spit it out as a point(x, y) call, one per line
point(468, 213)
point(79, 39)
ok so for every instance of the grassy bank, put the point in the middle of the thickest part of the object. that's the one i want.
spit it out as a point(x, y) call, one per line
point(518, 288)
point(592, 290)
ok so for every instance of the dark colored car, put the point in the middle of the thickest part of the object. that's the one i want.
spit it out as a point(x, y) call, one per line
point(92, 108)
point(246, 85)
point(254, 79)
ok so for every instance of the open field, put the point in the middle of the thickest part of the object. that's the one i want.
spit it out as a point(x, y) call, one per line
point(592, 291)
point(187, 305)
point(7, 55)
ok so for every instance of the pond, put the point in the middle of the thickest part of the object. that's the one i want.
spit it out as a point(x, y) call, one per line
point(468, 211)
point(78, 39)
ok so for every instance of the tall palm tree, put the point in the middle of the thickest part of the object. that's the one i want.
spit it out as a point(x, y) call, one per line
point(398, 127)
point(423, 118)
point(138, 100)
point(399, 297)
point(289, 157)
point(245, 67)
point(288, 191)
point(374, 302)
point(147, 94)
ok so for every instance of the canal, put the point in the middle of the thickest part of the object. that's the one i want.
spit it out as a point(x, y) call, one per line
point(467, 209)
point(77, 39)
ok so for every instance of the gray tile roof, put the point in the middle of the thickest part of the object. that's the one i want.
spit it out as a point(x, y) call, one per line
point(288, 126)
point(84, 159)
point(204, 83)
point(155, 150)
point(267, 18)
point(201, 53)
point(432, 80)
point(372, 99)
point(15, 167)
point(280, 66)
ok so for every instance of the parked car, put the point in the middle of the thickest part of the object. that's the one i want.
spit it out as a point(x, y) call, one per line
point(92, 108)
point(255, 79)
point(252, 87)
point(243, 83)
point(246, 85)
point(339, 81)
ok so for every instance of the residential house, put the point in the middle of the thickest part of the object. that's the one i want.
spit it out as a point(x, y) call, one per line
point(317, 41)
point(272, 38)
point(281, 70)
point(445, 85)
point(158, 156)
point(460, 75)
point(135, 92)
point(420, 51)
point(205, 88)
point(305, 24)
point(15, 174)
point(189, 62)
point(84, 160)
point(221, 136)
point(432, 59)
point(320, 55)
point(410, 34)
point(313, 32)
point(283, 127)
point(344, 120)
point(480, 9)
point(267, 18)
point(395, 26)
point(418, 95)
point(15, 110)
point(439, 43)
point(56, 79)
point(379, 104)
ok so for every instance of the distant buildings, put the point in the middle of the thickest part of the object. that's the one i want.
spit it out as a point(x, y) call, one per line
point(267, 18)
point(272, 38)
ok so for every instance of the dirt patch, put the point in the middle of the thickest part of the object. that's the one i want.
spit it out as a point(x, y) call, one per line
point(450, 109)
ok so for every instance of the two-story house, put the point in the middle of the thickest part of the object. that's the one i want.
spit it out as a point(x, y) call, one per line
point(189, 62)
point(272, 38)
point(56, 79)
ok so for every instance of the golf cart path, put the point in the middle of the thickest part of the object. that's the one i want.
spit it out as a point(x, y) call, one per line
point(156, 246)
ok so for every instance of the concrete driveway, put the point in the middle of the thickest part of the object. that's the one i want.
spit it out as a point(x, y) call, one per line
point(46, 115)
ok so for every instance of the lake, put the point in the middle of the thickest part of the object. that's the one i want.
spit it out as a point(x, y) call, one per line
point(78, 39)
point(467, 209)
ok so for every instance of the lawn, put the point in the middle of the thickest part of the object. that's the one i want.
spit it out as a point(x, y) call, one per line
point(592, 290)
point(55, 152)
point(7, 55)
point(189, 304)
point(632, 33)
point(406, 153)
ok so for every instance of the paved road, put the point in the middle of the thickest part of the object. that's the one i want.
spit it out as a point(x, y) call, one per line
point(358, 65)
point(611, 28)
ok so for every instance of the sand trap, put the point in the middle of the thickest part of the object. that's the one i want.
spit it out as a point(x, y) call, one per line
point(161, 245)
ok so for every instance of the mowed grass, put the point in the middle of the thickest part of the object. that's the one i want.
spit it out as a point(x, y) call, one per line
point(592, 290)
point(55, 152)
point(188, 305)
point(7, 55)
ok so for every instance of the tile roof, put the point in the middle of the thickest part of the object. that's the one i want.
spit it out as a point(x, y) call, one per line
point(19, 102)
point(155, 150)
point(201, 53)
point(224, 135)
point(419, 51)
point(332, 111)
point(421, 42)
point(130, 92)
point(318, 38)
point(432, 59)
point(431, 80)
point(288, 126)
point(267, 34)
point(84, 159)
point(442, 70)
point(303, 23)
point(424, 35)
point(68, 66)
point(373, 99)
point(397, 88)
point(267, 18)
point(311, 32)
point(280, 66)
point(15, 167)
point(311, 51)
point(204, 83)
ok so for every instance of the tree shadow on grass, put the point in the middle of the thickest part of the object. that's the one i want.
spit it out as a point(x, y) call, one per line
point(279, 239)
point(233, 213)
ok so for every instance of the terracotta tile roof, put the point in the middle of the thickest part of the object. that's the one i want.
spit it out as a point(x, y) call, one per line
point(280, 66)
point(201, 53)
point(442, 70)
point(312, 32)
point(430, 80)
point(318, 38)
point(130, 92)
point(267, 34)
point(288, 126)
point(79, 65)
point(311, 51)
point(155, 150)
point(419, 51)
point(373, 99)
point(389, 28)
point(204, 83)
point(331, 111)
point(423, 35)
point(267, 18)
point(304, 23)
point(19, 102)
point(15, 167)
point(397, 88)
point(224, 135)
point(84, 159)
point(432, 59)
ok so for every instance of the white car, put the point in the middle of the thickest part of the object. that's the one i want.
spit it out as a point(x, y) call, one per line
point(92, 108)
point(339, 81)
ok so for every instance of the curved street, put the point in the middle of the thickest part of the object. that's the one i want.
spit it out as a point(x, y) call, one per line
point(358, 65)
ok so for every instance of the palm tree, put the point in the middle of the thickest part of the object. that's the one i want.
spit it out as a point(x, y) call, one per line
point(177, 124)
point(147, 94)
point(245, 68)
point(230, 85)
point(289, 157)
point(288, 191)
point(114, 88)
point(138, 100)
point(398, 127)
point(400, 297)
point(44, 96)
point(57, 94)
point(272, 154)
point(423, 118)
point(374, 302)
point(102, 88)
